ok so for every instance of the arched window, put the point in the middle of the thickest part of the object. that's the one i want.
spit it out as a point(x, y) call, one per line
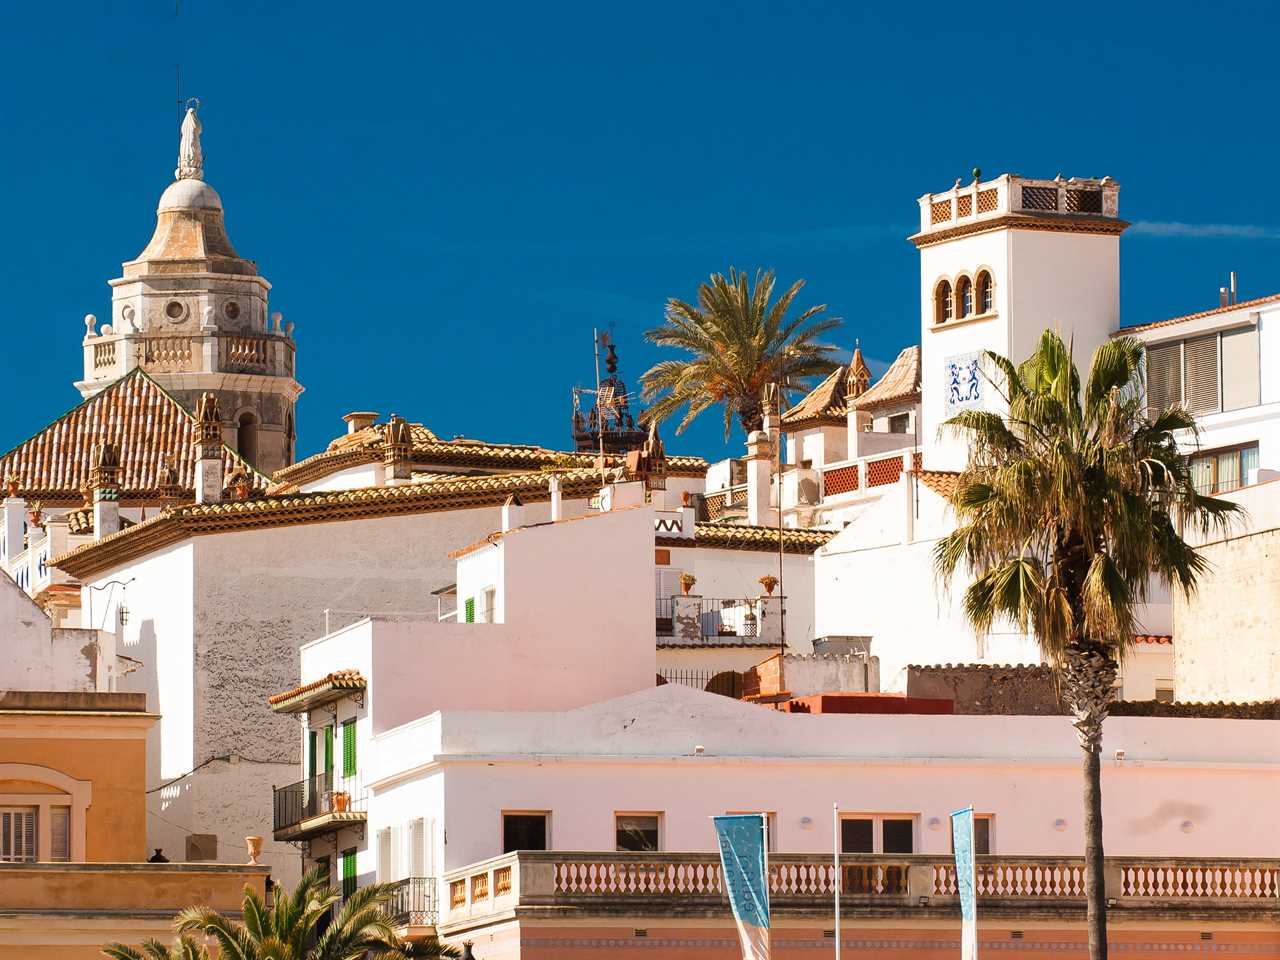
point(247, 437)
point(942, 302)
point(986, 297)
point(964, 297)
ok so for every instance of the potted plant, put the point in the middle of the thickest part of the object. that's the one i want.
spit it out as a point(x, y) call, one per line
point(768, 581)
point(341, 801)
point(687, 580)
point(35, 514)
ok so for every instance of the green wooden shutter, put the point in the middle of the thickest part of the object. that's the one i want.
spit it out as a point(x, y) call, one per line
point(471, 610)
point(311, 754)
point(328, 749)
point(348, 872)
point(348, 748)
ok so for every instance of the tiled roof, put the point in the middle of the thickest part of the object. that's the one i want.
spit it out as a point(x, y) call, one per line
point(900, 382)
point(147, 425)
point(1241, 305)
point(941, 482)
point(1157, 638)
point(731, 536)
point(179, 523)
point(365, 446)
point(310, 694)
point(825, 403)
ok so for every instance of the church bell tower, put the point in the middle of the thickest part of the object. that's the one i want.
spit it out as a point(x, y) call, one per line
point(192, 313)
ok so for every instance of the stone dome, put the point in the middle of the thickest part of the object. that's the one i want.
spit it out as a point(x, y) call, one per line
point(189, 195)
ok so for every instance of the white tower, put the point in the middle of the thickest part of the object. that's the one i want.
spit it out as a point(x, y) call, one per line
point(1000, 262)
point(193, 314)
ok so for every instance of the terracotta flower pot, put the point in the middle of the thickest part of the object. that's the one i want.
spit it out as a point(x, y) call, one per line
point(769, 582)
point(341, 801)
point(687, 581)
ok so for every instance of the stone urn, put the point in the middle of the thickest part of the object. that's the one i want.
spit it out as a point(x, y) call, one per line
point(254, 844)
point(11, 485)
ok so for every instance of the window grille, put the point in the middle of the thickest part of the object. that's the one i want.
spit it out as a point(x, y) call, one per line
point(940, 211)
point(1084, 201)
point(964, 205)
point(840, 480)
point(1039, 198)
point(987, 200)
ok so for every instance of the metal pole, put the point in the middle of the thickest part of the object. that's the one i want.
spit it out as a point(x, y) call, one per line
point(782, 593)
point(835, 859)
point(595, 335)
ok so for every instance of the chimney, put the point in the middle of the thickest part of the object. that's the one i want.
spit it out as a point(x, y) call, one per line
point(1224, 297)
point(553, 488)
point(171, 492)
point(759, 475)
point(512, 513)
point(397, 451)
point(104, 477)
point(1234, 297)
point(208, 450)
point(359, 420)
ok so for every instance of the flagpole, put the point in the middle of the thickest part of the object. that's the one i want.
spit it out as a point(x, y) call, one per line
point(764, 823)
point(835, 859)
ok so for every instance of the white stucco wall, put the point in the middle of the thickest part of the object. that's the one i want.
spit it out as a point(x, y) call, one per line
point(636, 754)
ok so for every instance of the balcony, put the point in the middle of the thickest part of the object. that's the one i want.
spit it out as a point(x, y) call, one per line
point(318, 805)
point(719, 622)
point(860, 478)
point(562, 884)
point(414, 907)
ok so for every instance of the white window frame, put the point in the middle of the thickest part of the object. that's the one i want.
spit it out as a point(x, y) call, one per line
point(662, 838)
point(877, 829)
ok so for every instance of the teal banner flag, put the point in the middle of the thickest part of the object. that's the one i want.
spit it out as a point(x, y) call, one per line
point(966, 881)
point(744, 865)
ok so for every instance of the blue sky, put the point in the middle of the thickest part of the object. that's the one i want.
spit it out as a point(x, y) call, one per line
point(447, 197)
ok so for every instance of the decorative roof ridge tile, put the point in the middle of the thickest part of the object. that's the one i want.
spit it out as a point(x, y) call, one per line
point(731, 536)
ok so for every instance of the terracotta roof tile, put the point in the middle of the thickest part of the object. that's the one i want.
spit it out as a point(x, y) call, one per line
point(826, 403)
point(900, 382)
point(1241, 305)
point(147, 425)
point(941, 482)
point(338, 680)
point(365, 446)
point(178, 523)
point(732, 536)
point(1156, 638)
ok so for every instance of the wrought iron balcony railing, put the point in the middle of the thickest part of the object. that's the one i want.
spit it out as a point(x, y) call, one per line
point(319, 804)
point(414, 903)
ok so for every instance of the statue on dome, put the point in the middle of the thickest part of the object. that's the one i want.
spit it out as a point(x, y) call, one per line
point(190, 156)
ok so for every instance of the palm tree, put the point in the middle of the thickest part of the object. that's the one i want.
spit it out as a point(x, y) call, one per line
point(1067, 509)
point(739, 345)
point(184, 948)
point(289, 929)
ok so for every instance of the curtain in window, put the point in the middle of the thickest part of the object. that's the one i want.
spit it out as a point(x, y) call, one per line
point(1228, 471)
point(1202, 474)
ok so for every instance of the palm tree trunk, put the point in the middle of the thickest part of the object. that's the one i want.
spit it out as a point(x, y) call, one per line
point(1088, 683)
point(750, 416)
point(1094, 861)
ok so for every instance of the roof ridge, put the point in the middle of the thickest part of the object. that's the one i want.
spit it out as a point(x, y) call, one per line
point(1238, 305)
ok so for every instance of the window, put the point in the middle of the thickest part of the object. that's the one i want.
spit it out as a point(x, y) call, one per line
point(877, 834)
point(60, 834)
point(1222, 470)
point(1219, 371)
point(406, 850)
point(986, 293)
point(981, 834)
point(311, 754)
point(1164, 691)
point(17, 834)
point(328, 749)
point(900, 423)
point(348, 872)
point(524, 831)
point(942, 302)
point(488, 603)
point(247, 437)
point(469, 610)
point(964, 297)
point(638, 831)
point(773, 824)
point(348, 748)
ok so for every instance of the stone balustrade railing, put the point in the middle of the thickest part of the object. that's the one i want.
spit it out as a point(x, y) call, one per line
point(610, 881)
